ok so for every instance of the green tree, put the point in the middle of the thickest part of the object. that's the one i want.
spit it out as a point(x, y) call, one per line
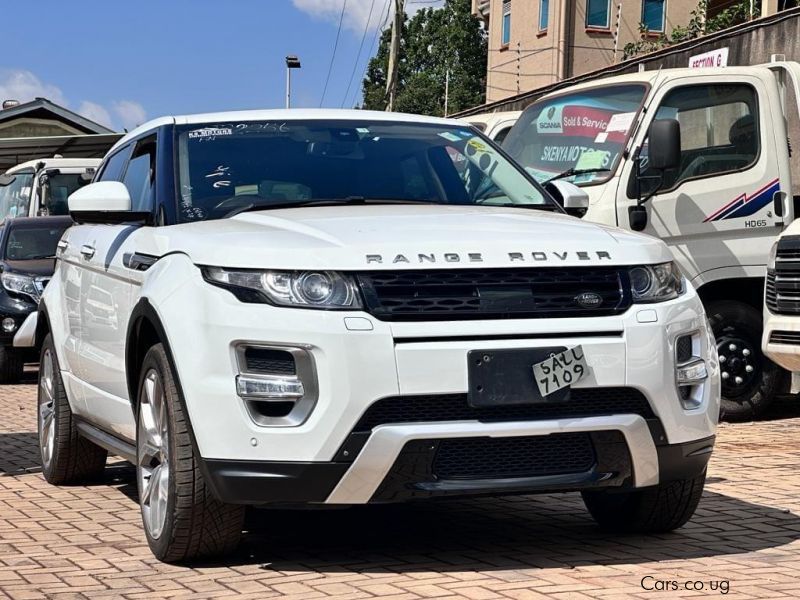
point(432, 42)
point(698, 26)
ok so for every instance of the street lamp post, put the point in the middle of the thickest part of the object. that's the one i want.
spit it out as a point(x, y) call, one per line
point(292, 62)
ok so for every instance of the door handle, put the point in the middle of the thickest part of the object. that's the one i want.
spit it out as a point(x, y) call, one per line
point(87, 251)
point(62, 245)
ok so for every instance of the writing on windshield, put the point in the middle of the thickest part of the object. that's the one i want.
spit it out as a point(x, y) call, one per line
point(585, 130)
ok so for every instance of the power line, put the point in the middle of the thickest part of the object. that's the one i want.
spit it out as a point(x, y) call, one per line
point(358, 54)
point(372, 44)
point(333, 54)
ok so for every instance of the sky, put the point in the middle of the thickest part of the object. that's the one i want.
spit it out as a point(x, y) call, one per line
point(123, 63)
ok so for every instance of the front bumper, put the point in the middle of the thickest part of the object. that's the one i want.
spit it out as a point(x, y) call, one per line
point(359, 360)
point(781, 340)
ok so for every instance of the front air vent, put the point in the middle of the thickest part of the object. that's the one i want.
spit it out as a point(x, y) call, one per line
point(269, 361)
point(791, 338)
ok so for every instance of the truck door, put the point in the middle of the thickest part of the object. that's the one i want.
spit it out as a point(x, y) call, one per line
point(716, 209)
point(787, 75)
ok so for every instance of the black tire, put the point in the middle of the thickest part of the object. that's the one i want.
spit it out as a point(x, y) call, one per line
point(658, 509)
point(70, 458)
point(11, 365)
point(739, 325)
point(197, 525)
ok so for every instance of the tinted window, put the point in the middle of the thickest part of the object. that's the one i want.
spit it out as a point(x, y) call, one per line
point(501, 135)
point(140, 175)
point(115, 165)
point(16, 196)
point(230, 166)
point(719, 130)
point(597, 12)
point(30, 243)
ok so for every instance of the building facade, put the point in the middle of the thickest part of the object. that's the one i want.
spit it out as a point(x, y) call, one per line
point(534, 43)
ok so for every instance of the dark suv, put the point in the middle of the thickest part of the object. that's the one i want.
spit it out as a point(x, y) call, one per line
point(27, 260)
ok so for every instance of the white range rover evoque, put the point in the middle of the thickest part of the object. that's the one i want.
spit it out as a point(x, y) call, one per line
point(294, 308)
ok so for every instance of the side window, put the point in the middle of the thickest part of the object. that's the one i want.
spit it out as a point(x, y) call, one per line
point(140, 175)
point(115, 165)
point(500, 136)
point(719, 130)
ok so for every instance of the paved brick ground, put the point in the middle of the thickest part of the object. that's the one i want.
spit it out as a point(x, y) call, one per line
point(86, 541)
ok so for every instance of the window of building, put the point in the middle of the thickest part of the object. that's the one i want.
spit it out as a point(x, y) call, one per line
point(544, 13)
point(653, 14)
point(719, 130)
point(598, 13)
point(506, 33)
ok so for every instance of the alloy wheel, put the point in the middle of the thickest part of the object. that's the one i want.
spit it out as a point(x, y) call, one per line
point(47, 408)
point(152, 467)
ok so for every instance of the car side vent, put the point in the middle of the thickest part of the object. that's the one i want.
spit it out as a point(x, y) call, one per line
point(683, 349)
point(269, 361)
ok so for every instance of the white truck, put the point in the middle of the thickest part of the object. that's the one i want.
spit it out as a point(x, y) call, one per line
point(496, 125)
point(41, 187)
point(719, 192)
point(327, 308)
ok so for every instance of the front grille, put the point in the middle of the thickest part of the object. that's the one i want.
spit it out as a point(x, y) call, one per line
point(785, 337)
point(495, 293)
point(783, 282)
point(268, 361)
point(582, 402)
point(501, 458)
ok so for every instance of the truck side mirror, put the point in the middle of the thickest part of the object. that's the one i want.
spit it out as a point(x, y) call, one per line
point(638, 217)
point(664, 138)
point(572, 199)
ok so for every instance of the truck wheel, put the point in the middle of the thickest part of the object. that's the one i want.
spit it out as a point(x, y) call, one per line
point(66, 456)
point(750, 381)
point(11, 365)
point(657, 509)
point(182, 520)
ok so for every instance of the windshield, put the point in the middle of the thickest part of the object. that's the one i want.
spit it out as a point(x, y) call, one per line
point(57, 189)
point(228, 167)
point(30, 243)
point(15, 197)
point(583, 130)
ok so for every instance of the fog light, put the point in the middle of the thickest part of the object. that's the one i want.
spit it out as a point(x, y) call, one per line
point(692, 373)
point(9, 325)
point(268, 387)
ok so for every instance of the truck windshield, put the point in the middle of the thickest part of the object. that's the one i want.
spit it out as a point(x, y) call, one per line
point(226, 168)
point(581, 130)
point(16, 196)
point(57, 189)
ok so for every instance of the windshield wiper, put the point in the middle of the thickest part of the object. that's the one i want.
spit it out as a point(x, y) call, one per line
point(349, 200)
point(572, 171)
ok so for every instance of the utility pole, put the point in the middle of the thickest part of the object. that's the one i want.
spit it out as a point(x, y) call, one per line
point(446, 90)
point(394, 54)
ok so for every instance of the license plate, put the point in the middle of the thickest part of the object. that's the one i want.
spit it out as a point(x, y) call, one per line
point(560, 370)
point(503, 377)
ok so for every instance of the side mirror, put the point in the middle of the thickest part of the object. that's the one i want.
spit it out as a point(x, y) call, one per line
point(7, 180)
point(103, 202)
point(664, 150)
point(638, 217)
point(573, 199)
point(86, 177)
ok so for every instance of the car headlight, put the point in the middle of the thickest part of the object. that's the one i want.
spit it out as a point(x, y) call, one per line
point(773, 254)
point(21, 284)
point(656, 283)
point(302, 289)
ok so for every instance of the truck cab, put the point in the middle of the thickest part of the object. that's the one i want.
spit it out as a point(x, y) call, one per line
point(719, 201)
point(41, 187)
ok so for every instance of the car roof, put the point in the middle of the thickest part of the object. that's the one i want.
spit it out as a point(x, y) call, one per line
point(285, 114)
point(34, 222)
point(55, 163)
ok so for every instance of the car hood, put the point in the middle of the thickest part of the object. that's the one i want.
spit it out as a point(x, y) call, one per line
point(42, 267)
point(401, 236)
